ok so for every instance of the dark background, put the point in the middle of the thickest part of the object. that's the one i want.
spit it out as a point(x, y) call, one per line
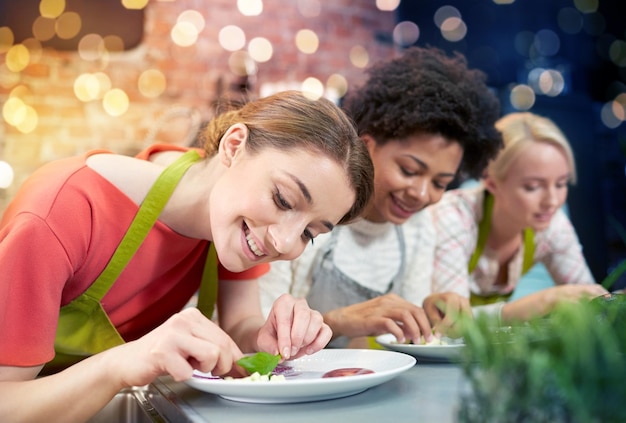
point(597, 203)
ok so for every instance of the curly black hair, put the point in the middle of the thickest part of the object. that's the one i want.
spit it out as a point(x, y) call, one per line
point(426, 91)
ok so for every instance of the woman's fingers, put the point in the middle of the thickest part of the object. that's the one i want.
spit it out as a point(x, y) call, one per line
point(444, 310)
point(184, 342)
point(297, 327)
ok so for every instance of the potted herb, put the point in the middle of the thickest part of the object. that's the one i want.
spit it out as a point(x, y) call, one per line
point(570, 367)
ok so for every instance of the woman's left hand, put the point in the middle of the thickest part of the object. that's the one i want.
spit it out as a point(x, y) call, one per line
point(293, 329)
point(542, 302)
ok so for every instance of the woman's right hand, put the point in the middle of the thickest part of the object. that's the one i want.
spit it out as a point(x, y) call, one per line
point(388, 313)
point(186, 341)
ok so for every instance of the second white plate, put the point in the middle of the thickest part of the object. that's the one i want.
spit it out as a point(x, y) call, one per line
point(304, 382)
point(431, 353)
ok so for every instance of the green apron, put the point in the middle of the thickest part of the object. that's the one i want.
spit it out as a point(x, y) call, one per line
point(483, 234)
point(84, 328)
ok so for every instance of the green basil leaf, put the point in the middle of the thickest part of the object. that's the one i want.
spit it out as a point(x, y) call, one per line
point(261, 362)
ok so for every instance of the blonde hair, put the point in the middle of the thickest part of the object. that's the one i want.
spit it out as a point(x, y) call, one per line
point(520, 131)
point(289, 121)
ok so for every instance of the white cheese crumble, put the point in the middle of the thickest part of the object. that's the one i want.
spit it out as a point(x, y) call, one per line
point(257, 377)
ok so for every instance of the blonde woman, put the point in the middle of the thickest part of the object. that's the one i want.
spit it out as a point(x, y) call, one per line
point(490, 235)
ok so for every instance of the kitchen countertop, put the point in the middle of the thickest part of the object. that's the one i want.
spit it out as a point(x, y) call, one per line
point(428, 392)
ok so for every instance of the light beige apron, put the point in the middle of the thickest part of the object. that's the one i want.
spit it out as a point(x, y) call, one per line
point(84, 328)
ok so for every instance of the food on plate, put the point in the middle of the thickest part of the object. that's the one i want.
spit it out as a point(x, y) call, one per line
point(347, 371)
point(257, 377)
point(434, 341)
point(285, 370)
point(279, 374)
point(262, 363)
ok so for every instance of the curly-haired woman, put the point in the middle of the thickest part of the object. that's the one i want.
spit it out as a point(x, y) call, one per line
point(425, 118)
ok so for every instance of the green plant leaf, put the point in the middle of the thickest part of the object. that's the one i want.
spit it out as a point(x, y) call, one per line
point(261, 362)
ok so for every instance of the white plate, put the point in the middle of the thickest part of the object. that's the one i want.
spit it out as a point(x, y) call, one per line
point(441, 353)
point(304, 382)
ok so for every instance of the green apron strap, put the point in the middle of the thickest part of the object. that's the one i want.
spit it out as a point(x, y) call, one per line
point(207, 296)
point(147, 215)
point(483, 231)
point(84, 327)
point(529, 250)
point(483, 234)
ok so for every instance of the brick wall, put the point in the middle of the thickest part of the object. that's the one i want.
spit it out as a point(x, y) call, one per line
point(68, 126)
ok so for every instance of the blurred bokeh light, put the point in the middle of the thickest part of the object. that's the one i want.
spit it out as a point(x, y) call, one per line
point(232, 38)
point(359, 56)
point(522, 97)
point(250, 7)
point(405, 33)
point(309, 8)
point(152, 83)
point(68, 25)
point(51, 8)
point(387, 5)
point(184, 34)
point(307, 41)
point(135, 4)
point(6, 174)
point(17, 58)
point(260, 49)
point(115, 102)
point(193, 17)
point(312, 88)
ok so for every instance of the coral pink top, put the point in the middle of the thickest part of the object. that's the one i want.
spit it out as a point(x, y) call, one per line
point(57, 236)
